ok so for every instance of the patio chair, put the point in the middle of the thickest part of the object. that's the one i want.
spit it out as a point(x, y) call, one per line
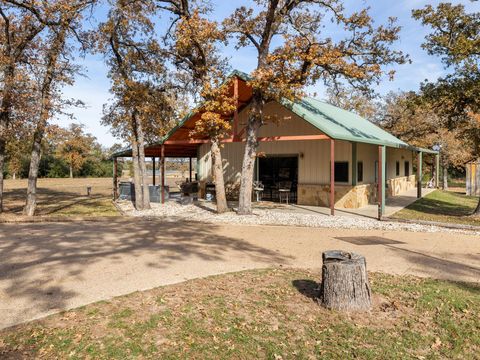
point(284, 190)
point(258, 189)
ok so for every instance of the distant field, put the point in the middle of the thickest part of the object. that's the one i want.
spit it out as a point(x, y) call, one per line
point(68, 197)
point(62, 197)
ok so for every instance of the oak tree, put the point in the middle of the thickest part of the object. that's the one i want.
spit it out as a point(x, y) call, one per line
point(294, 50)
point(455, 38)
point(75, 146)
point(142, 108)
point(54, 69)
point(196, 56)
point(19, 30)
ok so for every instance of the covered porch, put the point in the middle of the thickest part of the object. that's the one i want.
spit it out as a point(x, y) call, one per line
point(392, 205)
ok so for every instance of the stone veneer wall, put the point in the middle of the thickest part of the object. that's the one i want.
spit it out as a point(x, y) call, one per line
point(346, 196)
point(400, 185)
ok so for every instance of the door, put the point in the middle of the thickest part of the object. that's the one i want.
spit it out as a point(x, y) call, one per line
point(278, 170)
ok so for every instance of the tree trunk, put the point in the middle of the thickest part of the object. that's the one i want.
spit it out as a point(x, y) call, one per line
point(31, 203)
point(136, 176)
point(477, 210)
point(445, 177)
point(142, 167)
point(218, 178)
point(71, 172)
point(345, 284)
point(45, 101)
point(2, 165)
point(248, 166)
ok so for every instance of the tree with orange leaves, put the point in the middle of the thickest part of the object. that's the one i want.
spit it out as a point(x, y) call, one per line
point(53, 69)
point(196, 55)
point(18, 32)
point(455, 38)
point(293, 52)
point(143, 106)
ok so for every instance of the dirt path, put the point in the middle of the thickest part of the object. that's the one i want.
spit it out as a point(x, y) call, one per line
point(48, 267)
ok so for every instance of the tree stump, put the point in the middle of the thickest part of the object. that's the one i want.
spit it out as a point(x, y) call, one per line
point(345, 284)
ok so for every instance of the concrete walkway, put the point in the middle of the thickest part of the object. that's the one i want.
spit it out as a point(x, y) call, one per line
point(48, 267)
point(392, 205)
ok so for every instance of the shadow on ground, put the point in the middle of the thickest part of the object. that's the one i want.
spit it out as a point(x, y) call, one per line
point(308, 288)
point(33, 255)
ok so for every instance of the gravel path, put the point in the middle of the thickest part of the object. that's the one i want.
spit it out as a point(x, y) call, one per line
point(174, 211)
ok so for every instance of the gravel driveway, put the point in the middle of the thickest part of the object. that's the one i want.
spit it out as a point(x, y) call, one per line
point(48, 267)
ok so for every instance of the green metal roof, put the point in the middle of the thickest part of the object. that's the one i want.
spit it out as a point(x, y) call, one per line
point(340, 124)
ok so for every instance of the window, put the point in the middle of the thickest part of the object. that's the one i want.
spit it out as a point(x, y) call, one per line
point(397, 168)
point(341, 171)
point(376, 171)
point(359, 171)
point(407, 168)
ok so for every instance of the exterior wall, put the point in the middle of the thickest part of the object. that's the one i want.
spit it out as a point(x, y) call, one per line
point(346, 196)
point(473, 179)
point(313, 164)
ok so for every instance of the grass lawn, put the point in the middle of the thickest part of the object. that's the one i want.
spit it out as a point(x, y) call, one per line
point(62, 197)
point(442, 206)
point(261, 314)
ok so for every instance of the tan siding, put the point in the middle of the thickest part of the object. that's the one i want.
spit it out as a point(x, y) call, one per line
point(367, 154)
point(204, 163)
point(283, 122)
point(401, 155)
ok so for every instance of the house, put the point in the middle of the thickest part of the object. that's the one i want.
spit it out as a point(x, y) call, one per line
point(326, 156)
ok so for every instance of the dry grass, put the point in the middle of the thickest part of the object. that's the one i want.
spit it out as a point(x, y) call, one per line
point(62, 197)
point(261, 314)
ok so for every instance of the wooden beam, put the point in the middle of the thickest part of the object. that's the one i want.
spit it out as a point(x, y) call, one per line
point(260, 139)
point(153, 169)
point(190, 169)
point(294, 138)
point(332, 177)
point(162, 166)
point(419, 175)
point(115, 180)
point(186, 142)
point(235, 113)
point(354, 164)
point(381, 180)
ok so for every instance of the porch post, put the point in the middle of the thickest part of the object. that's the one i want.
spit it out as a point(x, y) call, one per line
point(437, 171)
point(419, 175)
point(153, 169)
point(190, 169)
point(354, 164)
point(115, 180)
point(381, 180)
point(162, 167)
point(332, 177)
point(235, 113)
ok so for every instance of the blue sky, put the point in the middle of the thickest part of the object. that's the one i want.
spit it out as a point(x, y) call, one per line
point(93, 89)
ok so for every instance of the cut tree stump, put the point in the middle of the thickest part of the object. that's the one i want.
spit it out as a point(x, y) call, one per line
point(345, 284)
